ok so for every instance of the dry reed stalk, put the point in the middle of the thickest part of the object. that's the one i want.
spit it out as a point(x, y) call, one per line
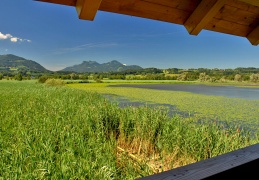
point(151, 164)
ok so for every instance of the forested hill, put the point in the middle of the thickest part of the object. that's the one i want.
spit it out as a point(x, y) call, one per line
point(93, 66)
point(10, 62)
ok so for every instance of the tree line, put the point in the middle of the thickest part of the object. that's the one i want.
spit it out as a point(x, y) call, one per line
point(201, 74)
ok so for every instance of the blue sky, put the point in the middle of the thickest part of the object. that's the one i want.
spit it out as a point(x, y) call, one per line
point(53, 36)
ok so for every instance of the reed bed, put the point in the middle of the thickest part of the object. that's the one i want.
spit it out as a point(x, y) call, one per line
point(55, 132)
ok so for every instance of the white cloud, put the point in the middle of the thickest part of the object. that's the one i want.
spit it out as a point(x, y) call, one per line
point(5, 36)
point(12, 38)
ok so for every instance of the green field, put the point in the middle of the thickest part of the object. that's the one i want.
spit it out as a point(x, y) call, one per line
point(58, 132)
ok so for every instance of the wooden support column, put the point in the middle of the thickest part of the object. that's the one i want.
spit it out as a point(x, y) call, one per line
point(87, 9)
point(253, 37)
point(205, 11)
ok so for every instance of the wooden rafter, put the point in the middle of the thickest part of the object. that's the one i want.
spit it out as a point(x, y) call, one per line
point(251, 2)
point(204, 12)
point(253, 37)
point(87, 9)
point(235, 17)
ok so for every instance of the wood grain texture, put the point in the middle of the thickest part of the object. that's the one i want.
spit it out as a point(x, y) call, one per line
point(253, 37)
point(251, 2)
point(87, 9)
point(226, 27)
point(146, 9)
point(201, 16)
point(234, 17)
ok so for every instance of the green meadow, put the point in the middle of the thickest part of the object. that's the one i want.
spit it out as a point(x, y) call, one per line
point(73, 132)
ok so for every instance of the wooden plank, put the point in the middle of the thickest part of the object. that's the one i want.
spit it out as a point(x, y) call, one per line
point(239, 16)
point(251, 2)
point(243, 6)
point(177, 4)
point(62, 2)
point(205, 11)
point(213, 166)
point(87, 9)
point(253, 37)
point(145, 9)
point(227, 27)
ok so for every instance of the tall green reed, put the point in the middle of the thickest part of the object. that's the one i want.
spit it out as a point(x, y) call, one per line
point(61, 133)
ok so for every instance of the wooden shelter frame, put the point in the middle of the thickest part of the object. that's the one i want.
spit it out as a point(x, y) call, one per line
point(234, 17)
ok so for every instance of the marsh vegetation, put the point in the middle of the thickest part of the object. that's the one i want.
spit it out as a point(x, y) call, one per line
point(59, 132)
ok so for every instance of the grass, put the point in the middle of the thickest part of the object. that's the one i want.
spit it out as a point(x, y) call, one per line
point(54, 132)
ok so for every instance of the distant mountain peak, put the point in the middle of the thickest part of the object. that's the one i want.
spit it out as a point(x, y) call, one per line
point(93, 66)
point(11, 57)
point(114, 61)
point(10, 61)
point(90, 62)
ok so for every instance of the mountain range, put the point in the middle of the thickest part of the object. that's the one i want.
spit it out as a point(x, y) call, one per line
point(93, 66)
point(10, 62)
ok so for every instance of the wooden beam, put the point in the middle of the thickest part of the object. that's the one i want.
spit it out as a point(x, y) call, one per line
point(87, 9)
point(204, 12)
point(149, 10)
point(241, 162)
point(253, 37)
point(251, 2)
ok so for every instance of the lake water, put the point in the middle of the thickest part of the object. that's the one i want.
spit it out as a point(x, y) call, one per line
point(125, 102)
point(226, 91)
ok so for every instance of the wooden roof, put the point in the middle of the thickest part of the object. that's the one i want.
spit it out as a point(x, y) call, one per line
point(234, 17)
